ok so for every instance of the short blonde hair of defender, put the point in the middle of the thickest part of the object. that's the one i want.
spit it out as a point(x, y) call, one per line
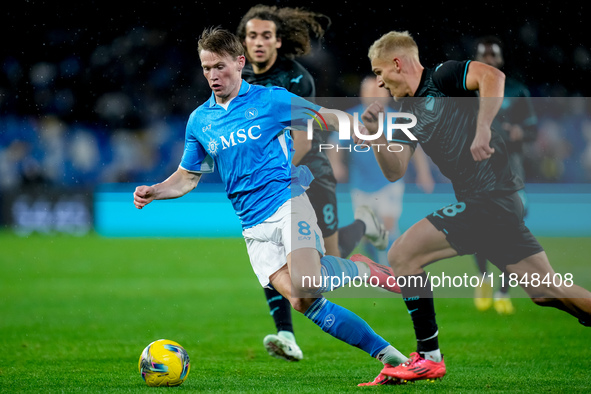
point(392, 41)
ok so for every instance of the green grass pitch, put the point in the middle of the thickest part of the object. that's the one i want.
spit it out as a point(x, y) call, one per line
point(76, 312)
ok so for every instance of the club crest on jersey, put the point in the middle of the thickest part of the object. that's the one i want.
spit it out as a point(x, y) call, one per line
point(251, 113)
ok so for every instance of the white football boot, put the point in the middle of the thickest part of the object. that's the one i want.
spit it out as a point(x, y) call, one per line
point(283, 345)
point(374, 229)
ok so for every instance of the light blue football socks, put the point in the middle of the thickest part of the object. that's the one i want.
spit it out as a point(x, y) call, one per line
point(348, 327)
point(337, 272)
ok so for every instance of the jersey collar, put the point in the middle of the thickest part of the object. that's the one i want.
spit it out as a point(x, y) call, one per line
point(421, 83)
point(244, 88)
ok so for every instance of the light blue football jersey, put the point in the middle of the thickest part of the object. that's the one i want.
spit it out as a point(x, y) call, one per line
point(251, 148)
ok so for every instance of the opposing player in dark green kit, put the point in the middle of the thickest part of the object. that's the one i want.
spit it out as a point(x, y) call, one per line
point(272, 37)
point(454, 129)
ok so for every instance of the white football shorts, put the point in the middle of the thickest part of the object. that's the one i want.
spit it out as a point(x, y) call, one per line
point(293, 226)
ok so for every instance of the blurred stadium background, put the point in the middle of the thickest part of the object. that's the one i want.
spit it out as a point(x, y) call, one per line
point(93, 95)
point(94, 99)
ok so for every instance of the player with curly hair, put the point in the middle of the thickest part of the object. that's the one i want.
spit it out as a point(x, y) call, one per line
point(273, 37)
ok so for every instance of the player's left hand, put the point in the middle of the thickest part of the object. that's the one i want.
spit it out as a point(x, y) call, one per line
point(480, 147)
point(142, 196)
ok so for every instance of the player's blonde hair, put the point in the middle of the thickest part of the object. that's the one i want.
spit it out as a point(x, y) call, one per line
point(392, 41)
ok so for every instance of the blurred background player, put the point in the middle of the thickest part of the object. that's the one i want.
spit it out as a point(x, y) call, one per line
point(516, 123)
point(369, 188)
point(272, 37)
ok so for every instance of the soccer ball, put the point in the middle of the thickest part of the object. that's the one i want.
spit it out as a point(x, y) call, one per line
point(164, 363)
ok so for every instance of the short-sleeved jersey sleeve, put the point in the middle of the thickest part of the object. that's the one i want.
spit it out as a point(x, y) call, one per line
point(195, 157)
point(447, 79)
point(290, 109)
point(450, 77)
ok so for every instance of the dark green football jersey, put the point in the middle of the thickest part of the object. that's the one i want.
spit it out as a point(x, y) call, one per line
point(446, 114)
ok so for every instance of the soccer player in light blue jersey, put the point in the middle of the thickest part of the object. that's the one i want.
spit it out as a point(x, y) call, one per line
point(241, 131)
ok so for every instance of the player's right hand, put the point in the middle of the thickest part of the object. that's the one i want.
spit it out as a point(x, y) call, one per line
point(142, 196)
point(480, 148)
point(370, 117)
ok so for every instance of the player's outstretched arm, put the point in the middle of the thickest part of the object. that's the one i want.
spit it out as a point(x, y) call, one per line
point(177, 185)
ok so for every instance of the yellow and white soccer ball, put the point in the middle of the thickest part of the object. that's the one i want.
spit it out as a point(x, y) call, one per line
point(164, 363)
